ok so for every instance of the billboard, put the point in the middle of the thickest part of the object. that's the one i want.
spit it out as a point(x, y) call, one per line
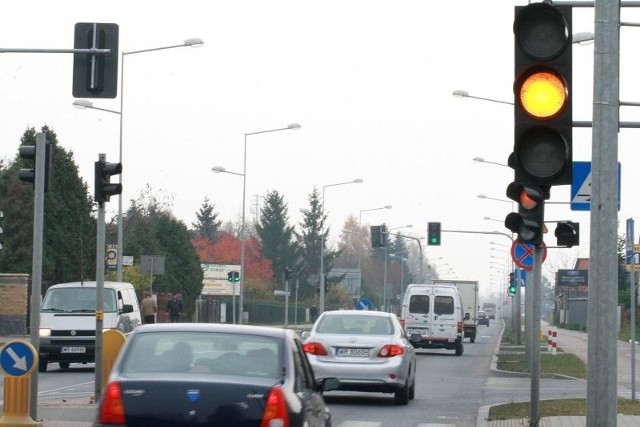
point(573, 278)
point(215, 280)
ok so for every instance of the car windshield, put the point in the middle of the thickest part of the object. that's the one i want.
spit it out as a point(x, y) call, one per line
point(77, 300)
point(355, 324)
point(203, 353)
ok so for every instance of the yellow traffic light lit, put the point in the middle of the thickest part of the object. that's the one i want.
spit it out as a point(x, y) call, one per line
point(543, 94)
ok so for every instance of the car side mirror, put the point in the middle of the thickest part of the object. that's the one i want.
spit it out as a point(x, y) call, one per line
point(305, 334)
point(331, 383)
point(127, 308)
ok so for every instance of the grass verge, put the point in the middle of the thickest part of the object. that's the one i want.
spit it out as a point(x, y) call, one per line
point(554, 408)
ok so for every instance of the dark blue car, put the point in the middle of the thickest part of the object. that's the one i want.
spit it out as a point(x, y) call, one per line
point(184, 374)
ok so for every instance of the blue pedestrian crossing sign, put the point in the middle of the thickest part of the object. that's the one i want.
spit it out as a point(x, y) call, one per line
point(581, 186)
point(18, 358)
point(364, 304)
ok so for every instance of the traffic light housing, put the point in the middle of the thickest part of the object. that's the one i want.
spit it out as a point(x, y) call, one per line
point(528, 222)
point(568, 233)
point(513, 288)
point(230, 276)
point(104, 189)
point(95, 75)
point(543, 124)
point(29, 174)
point(236, 276)
point(379, 236)
point(433, 234)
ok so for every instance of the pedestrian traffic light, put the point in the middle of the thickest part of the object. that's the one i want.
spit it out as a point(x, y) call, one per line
point(433, 234)
point(29, 174)
point(528, 222)
point(95, 75)
point(287, 273)
point(104, 189)
point(379, 236)
point(236, 276)
point(542, 153)
point(568, 233)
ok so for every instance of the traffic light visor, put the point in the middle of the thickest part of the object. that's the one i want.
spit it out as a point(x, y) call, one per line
point(542, 93)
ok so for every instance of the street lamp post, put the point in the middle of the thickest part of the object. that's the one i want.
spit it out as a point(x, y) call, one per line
point(322, 281)
point(192, 42)
point(218, 169)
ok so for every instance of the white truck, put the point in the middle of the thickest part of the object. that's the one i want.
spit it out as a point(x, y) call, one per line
point(468, 290)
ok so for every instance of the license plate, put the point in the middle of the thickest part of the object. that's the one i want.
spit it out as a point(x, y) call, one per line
point(352, 352)
point(417, 331)
point(74, 350)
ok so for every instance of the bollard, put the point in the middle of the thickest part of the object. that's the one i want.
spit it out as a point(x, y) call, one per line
point(18, 359)
point(554, 344)
point(549, 340)
point(113, 340)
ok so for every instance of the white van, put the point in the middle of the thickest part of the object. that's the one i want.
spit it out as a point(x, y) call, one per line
point(432, 317)
point(68, 320)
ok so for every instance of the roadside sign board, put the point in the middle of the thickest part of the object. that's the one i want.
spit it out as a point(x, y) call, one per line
point(522, 254)
point(581, 186)
point(18, 358)
point(573, 277)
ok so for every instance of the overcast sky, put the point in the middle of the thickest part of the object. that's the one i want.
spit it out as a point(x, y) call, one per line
point(370, 82)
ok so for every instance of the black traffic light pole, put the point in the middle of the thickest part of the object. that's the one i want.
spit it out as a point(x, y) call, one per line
point(100, 256)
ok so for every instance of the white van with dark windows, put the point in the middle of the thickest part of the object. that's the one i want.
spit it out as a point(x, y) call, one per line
point(432, 317)
point(68, 320)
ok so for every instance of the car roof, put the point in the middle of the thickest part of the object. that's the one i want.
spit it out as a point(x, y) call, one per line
point(359, 313)
point(270, 331)
point(89, 284)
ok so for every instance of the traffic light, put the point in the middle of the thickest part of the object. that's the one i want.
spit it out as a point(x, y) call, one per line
point(528, 222)
point(104, 189)
point(512, 289)
point(378, 236)
point(95, 75)
point(433, 234)
point(542, 153)
point(230, 276)
point(287, 273)
point(29, 174)
point(568, 233)
point(236, 276)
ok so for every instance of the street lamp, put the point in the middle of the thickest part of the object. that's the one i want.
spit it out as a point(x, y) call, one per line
point(359, 246)
point(486, 218)
point(464, 94)
point(482, 160)
point(220, 169)
point(484, 196)
point(192, 42)
point(322, 281)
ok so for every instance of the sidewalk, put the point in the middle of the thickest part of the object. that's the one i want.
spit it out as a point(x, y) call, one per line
point(576, 343)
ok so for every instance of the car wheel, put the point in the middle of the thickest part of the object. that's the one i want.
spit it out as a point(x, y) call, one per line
point(42, 366)
point(64, 365)
point(459, 349)
point(401, 396)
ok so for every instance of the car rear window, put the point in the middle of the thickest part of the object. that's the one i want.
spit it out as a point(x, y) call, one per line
point(355, 324)
point(203, 353)
point(419, 304)
point(442, 305)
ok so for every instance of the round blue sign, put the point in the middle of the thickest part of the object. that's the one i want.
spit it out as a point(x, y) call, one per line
point(17, 358)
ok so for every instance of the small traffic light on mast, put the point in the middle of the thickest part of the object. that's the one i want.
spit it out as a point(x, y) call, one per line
point(433, 234)
point(528, 222)
point(29, 174)
point(104, 189)
point(379, 236)
point(568, 233)
point(543, 122)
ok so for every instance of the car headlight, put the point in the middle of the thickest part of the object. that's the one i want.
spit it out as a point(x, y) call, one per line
point(45, 332)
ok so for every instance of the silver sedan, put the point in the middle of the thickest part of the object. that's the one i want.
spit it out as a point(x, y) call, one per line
point(366, 350)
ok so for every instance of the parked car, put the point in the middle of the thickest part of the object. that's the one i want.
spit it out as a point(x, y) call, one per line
point(483, 318)
point(366, 350)
point(181, 374)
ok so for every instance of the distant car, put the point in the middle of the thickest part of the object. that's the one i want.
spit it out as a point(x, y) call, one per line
point(483, 318)
point(367, 351)
point(179, 374)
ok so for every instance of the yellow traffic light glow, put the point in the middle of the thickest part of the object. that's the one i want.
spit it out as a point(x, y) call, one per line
point(543, 94)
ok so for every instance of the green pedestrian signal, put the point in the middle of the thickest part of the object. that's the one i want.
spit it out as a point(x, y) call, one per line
point(433, 234)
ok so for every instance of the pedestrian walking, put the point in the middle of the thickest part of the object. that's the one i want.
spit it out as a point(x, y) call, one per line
point(174, 308)
point(149, 308)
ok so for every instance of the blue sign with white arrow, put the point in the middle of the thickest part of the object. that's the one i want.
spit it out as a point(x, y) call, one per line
point(364, 304)
point(17, 358)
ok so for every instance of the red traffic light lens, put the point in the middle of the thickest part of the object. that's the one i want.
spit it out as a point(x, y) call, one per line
point(526, 201)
